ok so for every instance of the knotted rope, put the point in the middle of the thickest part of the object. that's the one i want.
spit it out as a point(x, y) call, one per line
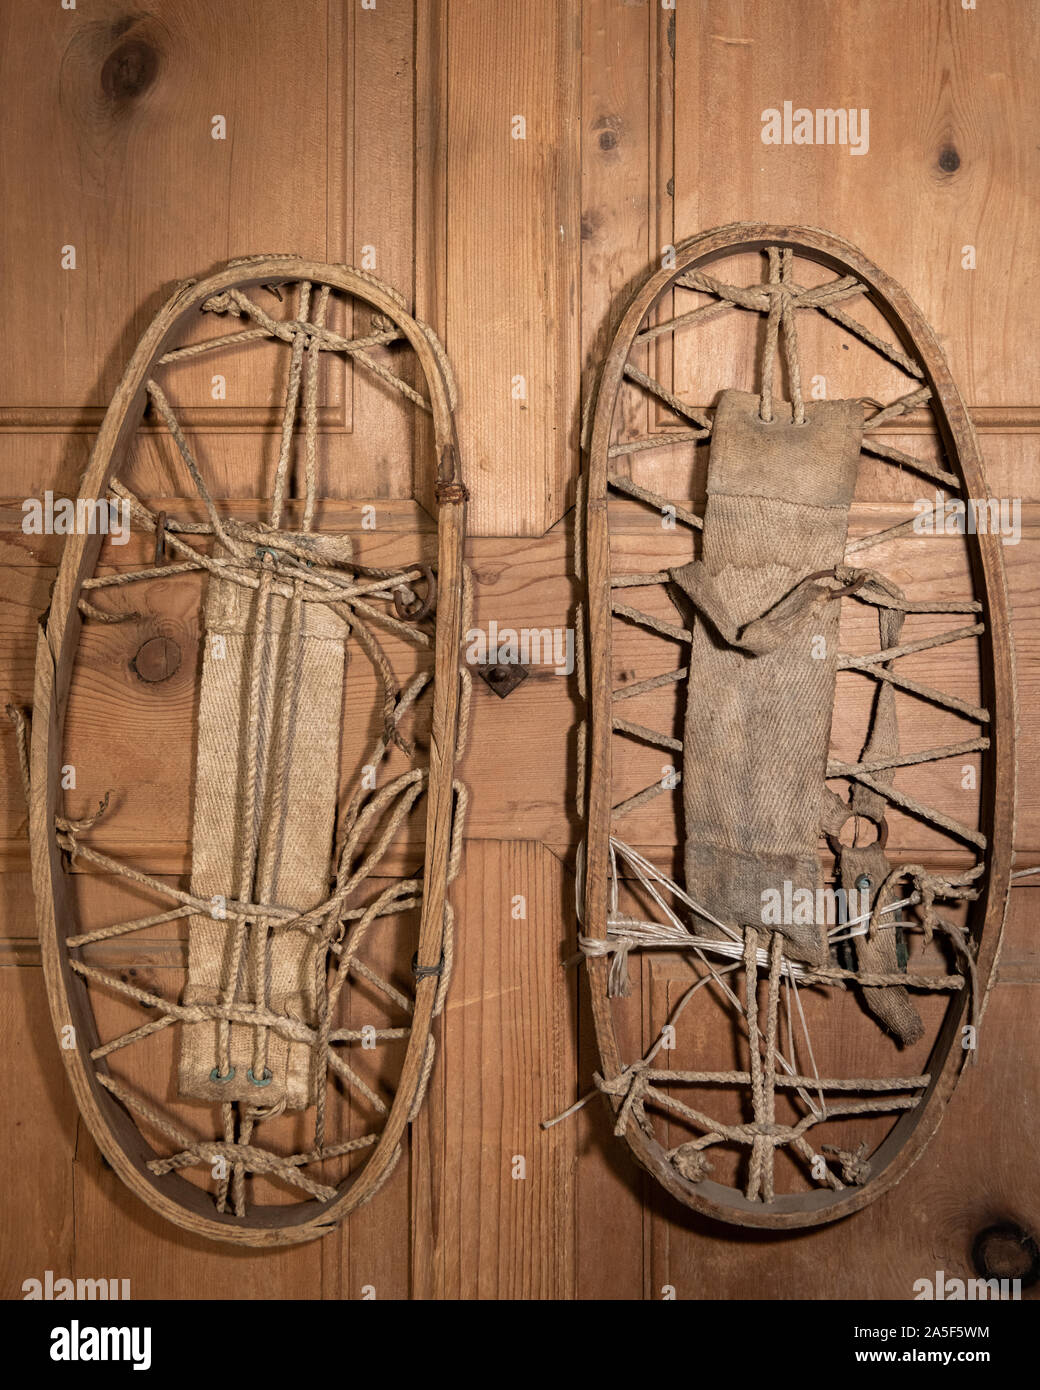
point(781, 323)
point(640, 1085)
point(298, 570)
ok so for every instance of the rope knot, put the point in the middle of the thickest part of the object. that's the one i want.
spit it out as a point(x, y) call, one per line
point(619, 982)
point(782, 297)
point(631, 1083)
point(222, 304)
point(73, 827)
point(855, 1167)
point(691, 1163)
point(783, 293)
point(929, 886)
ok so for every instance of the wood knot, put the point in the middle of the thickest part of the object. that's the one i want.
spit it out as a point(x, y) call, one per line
point(590, 224)
point(949, 160)
point(1006, 1251)
point(129, 70)
point(141, 978)
point(156, 660)
point(608, 135)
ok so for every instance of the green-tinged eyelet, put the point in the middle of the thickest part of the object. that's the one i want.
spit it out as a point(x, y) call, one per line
point(265, 1080)
point(216, 1076)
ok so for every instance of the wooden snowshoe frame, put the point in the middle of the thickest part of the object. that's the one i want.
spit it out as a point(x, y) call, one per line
point(642, 1098)
point(106, 1106)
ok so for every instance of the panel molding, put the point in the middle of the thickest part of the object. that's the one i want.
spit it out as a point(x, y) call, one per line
point(334, 418)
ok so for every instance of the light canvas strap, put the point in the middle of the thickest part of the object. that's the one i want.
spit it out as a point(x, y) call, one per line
point(292, 754)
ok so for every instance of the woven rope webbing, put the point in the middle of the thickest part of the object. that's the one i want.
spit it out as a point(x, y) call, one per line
point(754, 601)
point(266, 980)
point(266, 783)
point(760, 684)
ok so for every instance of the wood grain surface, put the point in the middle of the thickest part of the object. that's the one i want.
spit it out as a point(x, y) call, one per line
point(388, 133)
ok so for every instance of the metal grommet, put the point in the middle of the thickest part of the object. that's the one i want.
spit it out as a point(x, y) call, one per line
point(216, 1076)
point(422, 607)
point(849, 588)
point(863, 882)
point(262, 550)
point(836, 845)
point(265, 1080)
point(422, 971)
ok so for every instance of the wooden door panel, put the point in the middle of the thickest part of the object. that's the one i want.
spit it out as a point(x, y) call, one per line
point(385, 137)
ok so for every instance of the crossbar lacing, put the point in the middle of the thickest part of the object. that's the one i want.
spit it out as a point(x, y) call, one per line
point(771, 979)
point(273, 563)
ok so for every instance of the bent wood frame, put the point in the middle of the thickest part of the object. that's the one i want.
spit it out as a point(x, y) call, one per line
point(911, 1132)
point(112, 1127)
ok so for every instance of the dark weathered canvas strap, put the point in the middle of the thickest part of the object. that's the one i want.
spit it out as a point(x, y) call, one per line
point(760, 689)
point(866, 868)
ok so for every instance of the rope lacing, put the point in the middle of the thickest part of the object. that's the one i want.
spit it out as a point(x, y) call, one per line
point(302, 569)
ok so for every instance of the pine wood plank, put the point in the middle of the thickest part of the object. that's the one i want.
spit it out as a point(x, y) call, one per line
point(118, 108)
point(971, 1175)
point(947, 164)
point(505, 1061)
point(513, 243)
point(340, 175)
point(37, 1216)
point(527, 739)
